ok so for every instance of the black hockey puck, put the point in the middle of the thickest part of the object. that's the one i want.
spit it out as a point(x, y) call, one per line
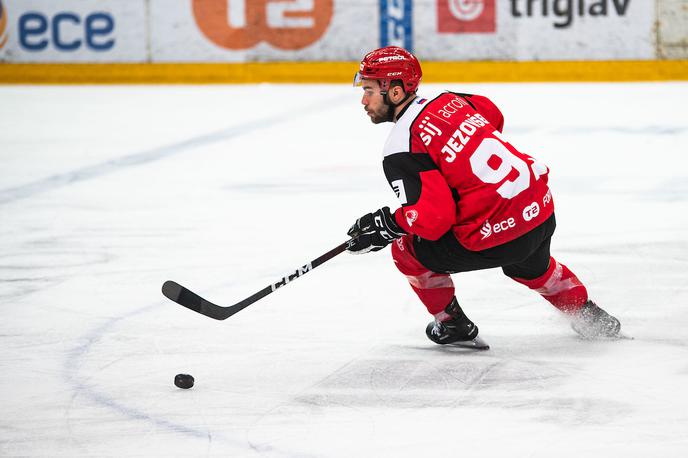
point(185, 381)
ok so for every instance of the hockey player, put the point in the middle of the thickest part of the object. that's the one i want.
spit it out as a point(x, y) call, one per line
point(469, 200)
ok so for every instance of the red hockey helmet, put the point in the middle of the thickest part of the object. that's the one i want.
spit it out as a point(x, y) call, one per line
point(388, 64)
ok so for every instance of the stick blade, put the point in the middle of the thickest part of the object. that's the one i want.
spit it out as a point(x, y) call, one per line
point(192, 301)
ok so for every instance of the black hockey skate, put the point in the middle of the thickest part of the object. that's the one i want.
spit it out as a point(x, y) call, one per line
point(591, 322)
point(456, 329)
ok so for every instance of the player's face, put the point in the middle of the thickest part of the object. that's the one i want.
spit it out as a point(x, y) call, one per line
point(373, 102)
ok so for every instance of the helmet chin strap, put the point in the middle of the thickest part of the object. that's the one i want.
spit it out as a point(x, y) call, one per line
point(391, 107)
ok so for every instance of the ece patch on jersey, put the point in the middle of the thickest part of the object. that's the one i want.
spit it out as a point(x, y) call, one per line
point(486, 230)
point(400, 191)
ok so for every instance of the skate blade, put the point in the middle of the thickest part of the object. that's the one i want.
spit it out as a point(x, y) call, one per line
point(619, 336)
point(476, 344)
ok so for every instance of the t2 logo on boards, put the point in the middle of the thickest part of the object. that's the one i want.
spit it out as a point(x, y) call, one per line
point(242, 24)
point(466, 16)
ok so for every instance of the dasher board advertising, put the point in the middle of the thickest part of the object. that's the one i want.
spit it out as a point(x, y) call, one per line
point(324, 30)
point(73, 31)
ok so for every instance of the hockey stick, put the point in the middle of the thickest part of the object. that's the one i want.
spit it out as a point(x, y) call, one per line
point(189, 299)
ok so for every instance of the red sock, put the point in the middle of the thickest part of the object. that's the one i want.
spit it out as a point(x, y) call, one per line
point(435, 290)
point(559, 286)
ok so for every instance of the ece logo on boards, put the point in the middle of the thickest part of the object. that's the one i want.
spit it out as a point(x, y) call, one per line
point(242, 24)
point(66, 31)
point(466, 16)
point(3, 25)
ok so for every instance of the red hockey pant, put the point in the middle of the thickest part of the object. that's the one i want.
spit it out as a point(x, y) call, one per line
point(558, 284)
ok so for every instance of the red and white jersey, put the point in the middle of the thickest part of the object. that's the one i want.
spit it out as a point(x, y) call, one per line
point(452, 169)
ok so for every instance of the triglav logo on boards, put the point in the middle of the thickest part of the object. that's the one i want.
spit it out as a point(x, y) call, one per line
point(565, 12)
point(3, 25)
point(466, 16)
point(242, 24)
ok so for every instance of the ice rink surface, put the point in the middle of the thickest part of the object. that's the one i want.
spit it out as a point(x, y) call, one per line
point(106, 192)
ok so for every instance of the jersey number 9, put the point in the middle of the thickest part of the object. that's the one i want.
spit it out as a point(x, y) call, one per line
point(508, 162)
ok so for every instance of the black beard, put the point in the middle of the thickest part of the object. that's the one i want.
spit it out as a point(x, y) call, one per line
point(387, 117)
point(377, 119)
point(390, 112)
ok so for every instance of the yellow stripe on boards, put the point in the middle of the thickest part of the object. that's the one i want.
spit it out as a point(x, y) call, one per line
point(338, 72)
point(589, 71)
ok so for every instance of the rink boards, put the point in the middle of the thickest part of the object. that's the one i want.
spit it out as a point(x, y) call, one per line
point(320, 40)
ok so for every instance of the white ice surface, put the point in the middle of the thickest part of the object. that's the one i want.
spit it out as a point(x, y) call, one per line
point(106, 192)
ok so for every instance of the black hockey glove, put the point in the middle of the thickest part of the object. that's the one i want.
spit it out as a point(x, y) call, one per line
point(374, 231)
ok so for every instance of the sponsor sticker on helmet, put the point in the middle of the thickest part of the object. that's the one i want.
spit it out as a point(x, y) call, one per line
point(391, 58)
